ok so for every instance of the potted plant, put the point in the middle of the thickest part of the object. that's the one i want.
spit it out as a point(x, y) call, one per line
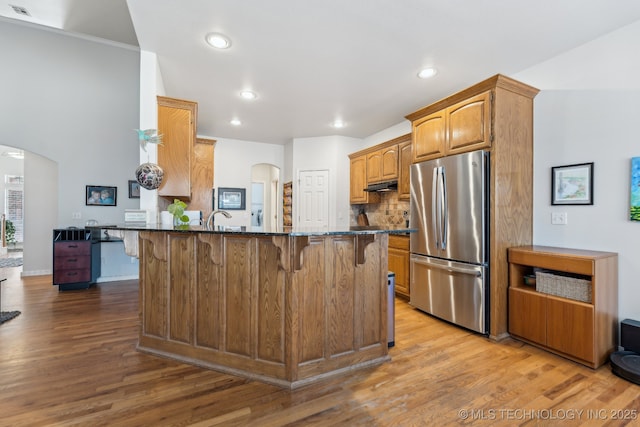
point(177, 210)
point(10, 232)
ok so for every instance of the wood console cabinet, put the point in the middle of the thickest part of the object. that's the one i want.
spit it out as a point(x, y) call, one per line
point(76, 260)
point(585, 332)
point(399, 262)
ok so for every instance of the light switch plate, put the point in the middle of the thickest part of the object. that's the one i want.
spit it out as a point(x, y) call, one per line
point(559, 218)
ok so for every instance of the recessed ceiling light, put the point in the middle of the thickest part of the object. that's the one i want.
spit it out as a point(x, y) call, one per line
point(427, 72)
point(235, 122)
point(219, 41)
point(338, 124)
point(247, 94)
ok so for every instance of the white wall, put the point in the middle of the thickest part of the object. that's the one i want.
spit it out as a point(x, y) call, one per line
point(151, 85)
point(8, 166)
point(76, 102)
point(586, 112)
point(387, 134)
point(326, 153)
point(40, 213)
point(233, 160)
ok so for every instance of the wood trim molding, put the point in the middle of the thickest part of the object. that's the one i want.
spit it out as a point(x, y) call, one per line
point(498, 80)
point(215, 243)
point(159, 242)
point(298, 244)
point(207, 141)
point(399, 140)
point(362, 240)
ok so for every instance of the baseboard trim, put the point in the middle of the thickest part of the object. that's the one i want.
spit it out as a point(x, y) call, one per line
point(116, 278)
point(36, 273)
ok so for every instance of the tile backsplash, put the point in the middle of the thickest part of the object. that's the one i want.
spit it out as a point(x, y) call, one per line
point(390, 211)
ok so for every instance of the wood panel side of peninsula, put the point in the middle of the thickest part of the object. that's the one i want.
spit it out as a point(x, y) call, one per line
point(287, 310)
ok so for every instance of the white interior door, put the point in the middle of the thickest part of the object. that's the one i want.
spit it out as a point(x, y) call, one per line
point(313, 199)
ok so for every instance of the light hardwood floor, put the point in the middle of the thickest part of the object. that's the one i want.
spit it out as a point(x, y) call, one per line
point(70, 359)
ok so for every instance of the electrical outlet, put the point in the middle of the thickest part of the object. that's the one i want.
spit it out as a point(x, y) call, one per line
point(76, 215)
point(559, 218)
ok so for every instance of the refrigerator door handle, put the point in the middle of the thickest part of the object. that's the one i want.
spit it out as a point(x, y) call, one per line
point(435, 218)
point(444, 212)
point(474, 271)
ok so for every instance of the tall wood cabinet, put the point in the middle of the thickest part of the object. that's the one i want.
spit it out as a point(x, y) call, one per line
point(495, 115)
point(584, 331)
point(187, 160)
point(177, 125)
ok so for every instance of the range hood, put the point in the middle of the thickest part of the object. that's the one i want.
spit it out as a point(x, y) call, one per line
point(382, 186)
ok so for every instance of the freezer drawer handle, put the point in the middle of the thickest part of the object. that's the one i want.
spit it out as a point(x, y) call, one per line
point(474, 272)
point(464, 271)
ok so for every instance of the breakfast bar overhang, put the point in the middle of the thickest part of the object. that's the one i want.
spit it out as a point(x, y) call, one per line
point(287, 307)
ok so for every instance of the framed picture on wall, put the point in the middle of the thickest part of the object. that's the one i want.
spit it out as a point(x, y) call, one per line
point(572, 184)
point(231, 198)
point(100, 195)
point(134, 190)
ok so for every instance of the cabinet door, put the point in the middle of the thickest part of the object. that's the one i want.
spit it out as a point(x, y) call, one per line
point(528, 315)
point(404, 183)
point(429, 137)
point(374, 167)
point(176, 124)
point(358, 181)
point(398, 260)
point(389, 162)
point(469, 124)
point(570, 327)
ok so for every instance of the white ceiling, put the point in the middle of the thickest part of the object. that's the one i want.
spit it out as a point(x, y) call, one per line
point(314, 61)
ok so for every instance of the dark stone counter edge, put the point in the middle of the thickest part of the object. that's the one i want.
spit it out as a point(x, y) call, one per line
point(280, 231)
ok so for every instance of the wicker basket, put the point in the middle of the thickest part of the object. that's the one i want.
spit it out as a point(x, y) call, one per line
point(563, 286)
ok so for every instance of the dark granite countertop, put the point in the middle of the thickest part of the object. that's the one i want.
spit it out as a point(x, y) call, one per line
point(277, 231)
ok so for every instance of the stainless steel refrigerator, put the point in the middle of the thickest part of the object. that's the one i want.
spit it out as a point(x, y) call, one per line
point(449, 265)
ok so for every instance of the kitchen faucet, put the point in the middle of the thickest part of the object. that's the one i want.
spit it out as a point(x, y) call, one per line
point(211, 220)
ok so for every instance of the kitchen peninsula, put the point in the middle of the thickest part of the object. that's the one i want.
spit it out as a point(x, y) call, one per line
point(287, 306)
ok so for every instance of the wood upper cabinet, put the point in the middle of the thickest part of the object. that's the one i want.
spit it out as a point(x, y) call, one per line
point(374, 167)
point(462, 127)
point(202, 176)
point(404, 169)
point(358, 182)
point(177, 125)
point(429, 137)
point(389, 162)
point(382, 165)
point(469, 124)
